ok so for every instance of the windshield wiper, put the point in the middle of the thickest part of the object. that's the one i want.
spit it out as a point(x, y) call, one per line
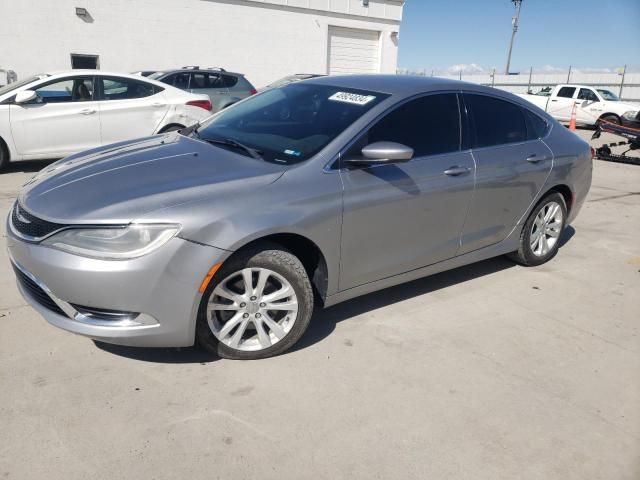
point(230, 142)
point(193, 129)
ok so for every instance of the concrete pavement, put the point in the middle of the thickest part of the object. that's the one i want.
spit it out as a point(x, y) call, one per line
point(491, 371)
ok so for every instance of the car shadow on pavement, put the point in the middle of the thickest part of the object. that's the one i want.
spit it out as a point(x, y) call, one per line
point(194, 354)
point(27, 166)
point(324, 321)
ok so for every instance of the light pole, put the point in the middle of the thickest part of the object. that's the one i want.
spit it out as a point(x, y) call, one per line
point(514, 22)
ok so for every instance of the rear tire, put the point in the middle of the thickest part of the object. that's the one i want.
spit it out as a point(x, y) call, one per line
point(238, 324)
point(540, 237)
point(609, 119)
point(4, 156)
point(171, 128)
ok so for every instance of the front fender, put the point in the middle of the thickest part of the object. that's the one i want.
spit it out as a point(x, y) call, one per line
point(5, 132)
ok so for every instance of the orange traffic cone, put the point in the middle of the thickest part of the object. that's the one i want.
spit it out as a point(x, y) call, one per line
point(572, 123)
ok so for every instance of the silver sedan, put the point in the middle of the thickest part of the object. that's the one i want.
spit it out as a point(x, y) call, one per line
point(231, 232)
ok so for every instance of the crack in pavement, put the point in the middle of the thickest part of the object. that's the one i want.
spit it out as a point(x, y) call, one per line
point(613, 197)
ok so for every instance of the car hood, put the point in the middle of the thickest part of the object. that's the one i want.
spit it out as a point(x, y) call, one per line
point(126, 181)
point(626, 106)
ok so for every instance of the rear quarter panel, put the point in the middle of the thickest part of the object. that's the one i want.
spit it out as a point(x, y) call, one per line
point(181, 113)
point(572, 165)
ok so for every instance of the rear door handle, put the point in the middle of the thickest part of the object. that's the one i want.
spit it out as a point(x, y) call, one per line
point(455, 171)
point(159, 104)
point(88, 111)
point(533, 158)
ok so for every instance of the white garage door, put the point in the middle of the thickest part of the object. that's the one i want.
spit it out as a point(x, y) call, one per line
point(353, 50)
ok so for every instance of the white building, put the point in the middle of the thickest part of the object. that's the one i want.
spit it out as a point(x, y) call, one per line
point(265, 39)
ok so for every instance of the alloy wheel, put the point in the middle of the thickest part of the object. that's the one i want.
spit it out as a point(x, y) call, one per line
point(252, 309)
point(546, 229)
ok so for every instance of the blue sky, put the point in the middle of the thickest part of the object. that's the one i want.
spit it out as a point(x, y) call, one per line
point(448, 35)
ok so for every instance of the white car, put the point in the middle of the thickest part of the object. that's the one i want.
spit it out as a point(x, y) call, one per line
point(592, 105)
point(54, 115)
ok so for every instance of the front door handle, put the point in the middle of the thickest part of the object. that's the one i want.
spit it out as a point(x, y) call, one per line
point(88, 111)
point(533, 158)
point(456, 171)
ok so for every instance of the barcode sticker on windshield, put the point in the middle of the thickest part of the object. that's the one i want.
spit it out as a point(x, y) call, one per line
point(352, 98)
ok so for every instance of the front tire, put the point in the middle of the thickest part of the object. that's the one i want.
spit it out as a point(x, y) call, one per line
point(258, 305)
point(540, 237)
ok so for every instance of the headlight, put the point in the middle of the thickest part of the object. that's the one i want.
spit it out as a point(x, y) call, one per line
point(630, 115)
point(114, 243)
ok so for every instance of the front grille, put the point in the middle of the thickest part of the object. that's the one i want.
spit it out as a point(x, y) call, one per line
point(36, 292)
point(31, 226)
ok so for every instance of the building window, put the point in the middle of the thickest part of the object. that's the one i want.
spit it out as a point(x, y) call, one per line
point(85, 61)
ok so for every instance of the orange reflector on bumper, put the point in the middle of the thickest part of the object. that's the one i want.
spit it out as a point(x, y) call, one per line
point(212, 271)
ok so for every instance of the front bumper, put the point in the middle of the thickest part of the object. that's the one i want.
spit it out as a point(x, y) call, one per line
point(159, 289)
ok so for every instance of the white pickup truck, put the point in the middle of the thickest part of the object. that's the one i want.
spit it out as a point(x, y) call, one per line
point(593, 105)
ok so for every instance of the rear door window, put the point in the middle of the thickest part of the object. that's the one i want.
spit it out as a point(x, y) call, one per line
point(199, 80)
point(566, 92)
point(178, 80)
point(536, 126)
point(229, 81)
point(114, 88)
point(216, 81)
point(495, 121)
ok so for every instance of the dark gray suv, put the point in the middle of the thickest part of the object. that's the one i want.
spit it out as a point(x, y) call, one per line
point(224, 88)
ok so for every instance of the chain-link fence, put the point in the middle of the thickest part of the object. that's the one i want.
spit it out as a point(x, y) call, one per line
point(623, 83)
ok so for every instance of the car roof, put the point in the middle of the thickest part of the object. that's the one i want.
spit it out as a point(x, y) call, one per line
point(102, 73)
point(87, 71)
point(403, 85)
point(75, 71)
point(196, 70)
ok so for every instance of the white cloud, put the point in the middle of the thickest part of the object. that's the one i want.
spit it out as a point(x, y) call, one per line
point(550, 69)
point(475, 68)
point(594, 70)
point(465, 68)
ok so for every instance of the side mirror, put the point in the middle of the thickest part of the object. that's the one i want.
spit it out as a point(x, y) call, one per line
point(25, 96)
point(379, 153)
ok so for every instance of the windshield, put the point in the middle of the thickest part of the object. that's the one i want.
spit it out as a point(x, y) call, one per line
point(14, 85)
point(292, 123)
point(608, 95)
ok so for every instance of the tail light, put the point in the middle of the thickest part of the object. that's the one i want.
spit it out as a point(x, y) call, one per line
point(253, 91)
point(593, 153)
point(206, 104)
